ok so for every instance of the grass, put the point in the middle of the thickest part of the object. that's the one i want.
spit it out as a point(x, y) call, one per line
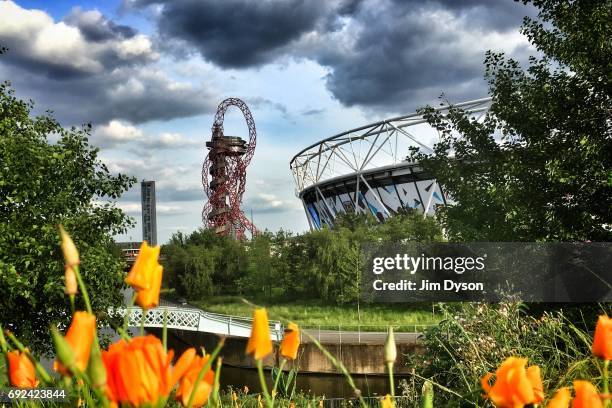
point(371, 317)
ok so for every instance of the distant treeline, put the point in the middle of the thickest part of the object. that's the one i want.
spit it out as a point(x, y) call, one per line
point(320, 264)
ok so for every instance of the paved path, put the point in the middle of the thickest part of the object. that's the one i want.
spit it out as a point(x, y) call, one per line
point(352, 337)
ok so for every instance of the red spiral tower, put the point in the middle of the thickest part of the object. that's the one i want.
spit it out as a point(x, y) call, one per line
point(224, 174)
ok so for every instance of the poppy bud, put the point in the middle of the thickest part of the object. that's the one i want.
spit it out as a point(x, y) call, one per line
point(71, 254)
point(21, 370)
point(65, 355)
point(70, 281)
point(96, 368)
point(390, 349)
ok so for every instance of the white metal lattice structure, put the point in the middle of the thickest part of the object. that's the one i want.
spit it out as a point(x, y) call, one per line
point(192, 319)
point(353, 168)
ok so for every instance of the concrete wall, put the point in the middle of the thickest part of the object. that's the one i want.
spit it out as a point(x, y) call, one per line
point(357, 358)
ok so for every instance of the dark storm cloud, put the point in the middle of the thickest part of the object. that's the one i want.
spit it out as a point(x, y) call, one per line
point(95, 27)
point(497, 14)
point(136, 96)
point(403, 54)
point(391, 63)
point(236, 33)
point(385, 55)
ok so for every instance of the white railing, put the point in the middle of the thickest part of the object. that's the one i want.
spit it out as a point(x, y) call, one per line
point(192, 319)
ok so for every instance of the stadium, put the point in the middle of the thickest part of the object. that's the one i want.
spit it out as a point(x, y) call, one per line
point(365, 170)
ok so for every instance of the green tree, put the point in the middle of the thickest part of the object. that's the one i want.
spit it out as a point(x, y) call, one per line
point(410, 225)
point(260, 275)
point(538, 168)
point(43, 184)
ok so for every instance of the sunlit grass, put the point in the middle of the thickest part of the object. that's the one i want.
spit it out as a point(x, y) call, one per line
point(369, 317)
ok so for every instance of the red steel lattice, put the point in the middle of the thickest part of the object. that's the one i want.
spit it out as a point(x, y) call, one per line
point(224, 174)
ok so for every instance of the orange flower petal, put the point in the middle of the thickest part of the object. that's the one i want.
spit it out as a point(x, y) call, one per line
point(586, 395)
point(147, 259)
point(259, 344)
point(80, 336)
point(512, 388)
point(602, 340)
point(535, 379)
point(291, 342)
point(187, 384)
point(561, 399)
point(182, 365)
point(21, 370)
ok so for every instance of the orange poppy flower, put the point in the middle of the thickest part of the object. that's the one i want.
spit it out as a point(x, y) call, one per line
point(149, 298)
point(80, 337)
point(602, 341)
point(139, 371)
point(259, 344)
point(586, 395)
point(21, 370)
point(513, 387)
point(145, 262)
point(187, 383)
point(146, 276)
point(291, 342)
point(561, 399)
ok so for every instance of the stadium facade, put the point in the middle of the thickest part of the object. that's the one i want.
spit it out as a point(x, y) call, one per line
point(365, 170)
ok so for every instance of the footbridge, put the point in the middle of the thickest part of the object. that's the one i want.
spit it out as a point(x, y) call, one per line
point(196, 320)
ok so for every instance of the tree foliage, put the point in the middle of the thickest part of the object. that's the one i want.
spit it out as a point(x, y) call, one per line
point(324, 264)
point(539, 167)
point(43, 184)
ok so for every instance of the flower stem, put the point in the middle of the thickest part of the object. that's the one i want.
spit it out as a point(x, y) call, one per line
point(3, 343)
point(165, 330)
point(128, 312)
point(280, 372)
point(83, 288)
point(216, 384)
point(262, 380)
point(338, 364)
point(606, 386)
point(391, 380)
point(142, 321)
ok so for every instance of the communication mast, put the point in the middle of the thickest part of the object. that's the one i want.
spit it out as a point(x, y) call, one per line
point(224, 174)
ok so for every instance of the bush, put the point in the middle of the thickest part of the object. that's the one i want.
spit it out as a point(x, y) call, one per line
point(474, 337)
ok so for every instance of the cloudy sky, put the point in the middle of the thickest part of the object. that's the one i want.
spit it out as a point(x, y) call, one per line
point(148, 74)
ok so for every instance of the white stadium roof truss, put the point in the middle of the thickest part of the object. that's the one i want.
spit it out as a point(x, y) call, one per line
point(356, 152)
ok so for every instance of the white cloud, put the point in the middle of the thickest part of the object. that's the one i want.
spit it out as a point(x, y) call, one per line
point(262, 203)
point(35, 36)
point(170, 141)
point(116, 132)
